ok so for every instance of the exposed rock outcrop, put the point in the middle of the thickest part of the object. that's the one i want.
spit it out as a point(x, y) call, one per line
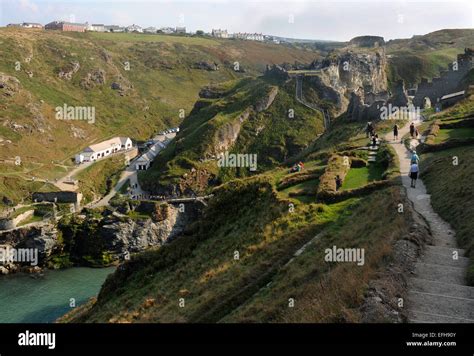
point(43, 238)
point(68, 71)
point(399, 96)
point(265, 102)
point(350, 72)
point(206, 66)
point(129, 235)
point(9, 85)
point(228, 133)
point(96, 77)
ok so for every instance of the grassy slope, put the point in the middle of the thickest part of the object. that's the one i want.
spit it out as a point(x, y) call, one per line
point(451, 186)
point(451, 192)
point(249, 216)
point(424, 56)
point(201, 267)
point(98, 179)
point(270, 134)
point(161, 73)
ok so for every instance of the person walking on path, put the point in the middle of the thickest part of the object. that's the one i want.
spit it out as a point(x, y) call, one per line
point(414, 158)
point(412, 130)
point(338, 182)
point(413, 174)
point(375, 138)
point(369, 130)
point(395, 132)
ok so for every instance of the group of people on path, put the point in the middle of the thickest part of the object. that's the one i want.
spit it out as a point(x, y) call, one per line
point(370, 132)
point(413, 131)
point(414, 168)
point(414, 159)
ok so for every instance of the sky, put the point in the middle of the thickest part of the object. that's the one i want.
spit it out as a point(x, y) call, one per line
point(310, 19)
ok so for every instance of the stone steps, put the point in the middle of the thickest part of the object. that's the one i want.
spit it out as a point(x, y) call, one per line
point(447, 289)
point(442, 306)
point(441, 250)
point(420, 317)
point(444, 259)
point(440, 273)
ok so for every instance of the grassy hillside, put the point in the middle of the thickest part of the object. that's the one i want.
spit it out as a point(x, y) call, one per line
point(239, 262)
point(156, 78)
point(249, 234)
point(270, 134)
point(450, 184)
point(425, 56)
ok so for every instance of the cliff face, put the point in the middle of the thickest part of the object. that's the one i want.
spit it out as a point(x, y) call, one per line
point(226, 135)
point(44, 239)
point(121, 236)
point(350, 71)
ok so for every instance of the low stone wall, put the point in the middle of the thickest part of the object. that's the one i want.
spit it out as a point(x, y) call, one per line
point(57, 197)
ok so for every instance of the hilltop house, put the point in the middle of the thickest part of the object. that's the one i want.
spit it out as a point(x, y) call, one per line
point(220, 33)
point(66, 26)
point(181, 30)
point(134, 28)
point(104, 149)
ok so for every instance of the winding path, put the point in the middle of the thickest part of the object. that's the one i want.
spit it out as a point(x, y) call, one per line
point(437, 291)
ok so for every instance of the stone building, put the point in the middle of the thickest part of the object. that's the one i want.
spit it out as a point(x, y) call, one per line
point(66, 26)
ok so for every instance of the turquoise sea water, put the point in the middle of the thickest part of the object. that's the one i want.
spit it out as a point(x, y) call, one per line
point(24, 299)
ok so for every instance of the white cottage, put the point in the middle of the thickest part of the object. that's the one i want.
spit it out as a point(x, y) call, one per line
point(143, 162)
point(104, 149)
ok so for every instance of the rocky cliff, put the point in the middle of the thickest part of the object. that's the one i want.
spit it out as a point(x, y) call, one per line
point(350, 71)
point(130, 235)
point(43, 238)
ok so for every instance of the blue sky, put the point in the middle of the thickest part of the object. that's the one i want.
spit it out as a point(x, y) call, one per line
point(329, 20)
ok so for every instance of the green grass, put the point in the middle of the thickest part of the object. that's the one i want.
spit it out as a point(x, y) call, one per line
point(458, 133)
point(162, 76)
point(270, 134)
point(307, 186)
point(98, 179)
point(201, 267)
point(124, 188)
point(30, 220)
point(358, 177)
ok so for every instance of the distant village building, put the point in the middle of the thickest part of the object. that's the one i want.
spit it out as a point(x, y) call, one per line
point(150, 29)
point(181, 30)
point(249, 36)
point(167, 30)
point(104, 149)
point(220, 33)
point(114, 28)
point(134, 28)
point(14, 25)
point(66, 26)
point(96, 27)
point(31, 25)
